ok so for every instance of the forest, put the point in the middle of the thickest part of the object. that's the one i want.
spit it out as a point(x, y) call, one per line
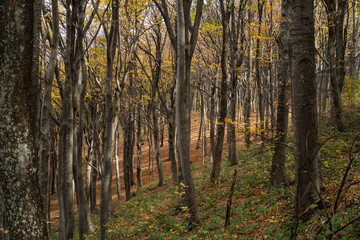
point(179, 119)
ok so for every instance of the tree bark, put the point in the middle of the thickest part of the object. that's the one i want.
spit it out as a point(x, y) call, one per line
point(66, 134)
point(46, 110)
point(138, 144)
point(336, 50)
point(302, 42)
point(172, 138)
point(85, 223)
point(109, 132)
point(183, 105)
point(278, 171)
point(24, 208)
point(259, 84)
point(225, 77)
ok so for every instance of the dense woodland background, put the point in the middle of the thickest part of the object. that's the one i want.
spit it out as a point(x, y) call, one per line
point(156, 119)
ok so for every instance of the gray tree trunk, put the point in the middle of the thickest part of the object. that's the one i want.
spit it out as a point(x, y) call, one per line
point(66, 134)
point(278, 171)
point(138, 144)
point(302, 42)
point(126, 156)
point(24, 208)
point(183, 105)
point(109, 132)
point(46, 111)
point(184, 45)
point(236, 60)
point(155, 80)
point(95, 155)
point(212, 118)
point(85, 223)
point(172, 138)
point(225, 77)
point(336, 49)
point(259, 87)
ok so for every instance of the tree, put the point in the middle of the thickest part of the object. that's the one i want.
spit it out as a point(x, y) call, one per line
point(278, 173)
point(236, 60)
point(184, 44)
point(259, 84)
point(109, 131)
point(185, 49)
point(44, 151)
point(307, 179)
point(226, 10)
point(336, 10)
point(24, 208)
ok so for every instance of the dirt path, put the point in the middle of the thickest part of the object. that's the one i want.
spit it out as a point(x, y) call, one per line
point(147, 178)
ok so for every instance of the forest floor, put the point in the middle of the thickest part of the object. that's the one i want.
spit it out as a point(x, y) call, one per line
point(258, 212)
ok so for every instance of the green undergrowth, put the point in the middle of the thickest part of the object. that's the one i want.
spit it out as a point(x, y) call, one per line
point(258, 211)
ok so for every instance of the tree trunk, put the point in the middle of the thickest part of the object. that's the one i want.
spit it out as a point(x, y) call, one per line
point(247, 103)
point(126, 158)
point(172, 139)
point(259, 86)
point(278, 172)
point(307, 179)
point(138, 144)
point(85, 223)
point(156, 74)
point(94, 158)
point(225, 76)
point(212, 123)
point(108, 136)
point(236, 60)
point(116, 155)
point(46, 109)
point(19, 183)
point(66, 135)
point(336, 51)
point(183, 99)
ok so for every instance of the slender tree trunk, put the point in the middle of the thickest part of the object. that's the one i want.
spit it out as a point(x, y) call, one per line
point(225, 76)
point(138, 145)
point(108, 136)
point(157, 147)
point(354, 53)
point(116, 154)
point(236, 60)
point(126, 158)
point(66, 135)
point(162, 124)
point(132, 145)
point(183, 102)
point(336, 50)
point(150, 143)
point(200, 127)
point(172, 138)
point(85, 222)
point(156, 74)
point(203, 109)
point(46, 109)
point(259, 86)
point(35, 90)
point(94, 158)
point(212, 123)
point(278, 172)
point(247, 104)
